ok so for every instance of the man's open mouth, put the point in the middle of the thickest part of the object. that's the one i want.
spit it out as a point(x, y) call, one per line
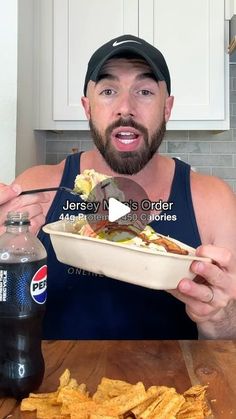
point(126, 138)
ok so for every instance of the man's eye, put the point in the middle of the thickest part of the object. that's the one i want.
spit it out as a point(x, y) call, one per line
point(107, 92)
point(145, 92)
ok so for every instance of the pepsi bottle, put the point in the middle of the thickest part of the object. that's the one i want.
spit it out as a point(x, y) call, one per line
point(23, 283)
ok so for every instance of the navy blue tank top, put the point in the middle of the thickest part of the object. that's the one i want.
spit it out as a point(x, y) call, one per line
point(85, 305)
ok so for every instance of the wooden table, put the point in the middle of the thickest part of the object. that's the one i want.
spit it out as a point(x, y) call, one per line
point(172, 363)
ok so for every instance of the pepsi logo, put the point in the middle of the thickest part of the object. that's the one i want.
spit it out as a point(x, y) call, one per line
point(38, 286)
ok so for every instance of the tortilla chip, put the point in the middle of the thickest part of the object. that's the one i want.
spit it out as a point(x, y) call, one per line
point(69, 395)
point(83, 389)
point(52, 395)
point(191, 410)
point(141, 407)
point(64, 378)
point(196, 392)
point(156, 390)
point(126, 401)
point(195, 406)
point(168, 406)
point(116, 399)
point(95, 416)
point(91, 407)
point(109, 388)
point(44, 407)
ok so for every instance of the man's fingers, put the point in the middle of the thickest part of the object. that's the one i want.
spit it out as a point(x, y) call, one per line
point(33, 210)
point(223, 257)
point(20, 203)
point(36, 223)
point(31, 203)
point(8, 192)
point(25, 200)
point(208, 295)
point(204, 293)
point(196, 302)
point(211, 273)
point(10, 200)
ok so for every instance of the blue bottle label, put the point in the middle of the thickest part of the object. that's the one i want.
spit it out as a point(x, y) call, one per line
point(23, 286)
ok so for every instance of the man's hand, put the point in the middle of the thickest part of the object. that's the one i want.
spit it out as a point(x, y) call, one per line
point(211, 298)
point(11, 200)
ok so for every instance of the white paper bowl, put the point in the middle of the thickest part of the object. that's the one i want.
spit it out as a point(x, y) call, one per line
point(140, 266)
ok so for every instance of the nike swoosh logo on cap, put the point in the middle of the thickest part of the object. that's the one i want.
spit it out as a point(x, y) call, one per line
point(116, 43)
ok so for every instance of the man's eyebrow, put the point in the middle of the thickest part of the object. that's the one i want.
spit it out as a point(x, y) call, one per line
point(106, 76)
point(142, 76)
point(148, 75)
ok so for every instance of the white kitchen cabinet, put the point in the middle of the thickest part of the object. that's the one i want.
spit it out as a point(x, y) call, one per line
point(192, 34)
point(8, 90)
point(80, 27)
point(230, 8)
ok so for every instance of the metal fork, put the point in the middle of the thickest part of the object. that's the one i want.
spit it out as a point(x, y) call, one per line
point(59, 188)
point(55, 188)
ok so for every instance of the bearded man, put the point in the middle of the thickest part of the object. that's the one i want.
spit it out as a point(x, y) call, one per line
point(127, 100)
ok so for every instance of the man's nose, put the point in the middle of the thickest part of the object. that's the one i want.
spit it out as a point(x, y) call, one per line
point(125, 106)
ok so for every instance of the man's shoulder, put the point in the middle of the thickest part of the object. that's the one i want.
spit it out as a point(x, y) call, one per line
point(212, 200)
point(210, 186)
point(41, 176)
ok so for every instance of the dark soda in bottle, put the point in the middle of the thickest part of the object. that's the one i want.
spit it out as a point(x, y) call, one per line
point(23, 284)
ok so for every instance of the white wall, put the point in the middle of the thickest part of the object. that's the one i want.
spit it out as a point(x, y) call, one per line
point(29, 145)
point(8, 88)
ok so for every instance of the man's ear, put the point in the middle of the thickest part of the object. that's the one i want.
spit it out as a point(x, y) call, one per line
point(86, 106)
point(168, 107)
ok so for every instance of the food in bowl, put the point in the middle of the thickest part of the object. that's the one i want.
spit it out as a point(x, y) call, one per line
point(143, 266)
point(117, 232)
point(86, 182)
point(128, 234)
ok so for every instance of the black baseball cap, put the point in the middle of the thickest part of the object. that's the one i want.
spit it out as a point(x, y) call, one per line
point(128, 44)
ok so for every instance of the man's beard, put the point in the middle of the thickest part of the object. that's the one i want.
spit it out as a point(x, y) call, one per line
point(127, 162)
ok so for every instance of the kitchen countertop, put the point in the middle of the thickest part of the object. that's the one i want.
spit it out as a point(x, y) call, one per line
point(178, 364)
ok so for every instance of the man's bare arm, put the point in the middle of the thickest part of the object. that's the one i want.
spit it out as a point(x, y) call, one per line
point(36, 204)
point(211, 298)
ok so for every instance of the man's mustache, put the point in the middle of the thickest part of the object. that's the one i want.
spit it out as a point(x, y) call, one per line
point(126, 122)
